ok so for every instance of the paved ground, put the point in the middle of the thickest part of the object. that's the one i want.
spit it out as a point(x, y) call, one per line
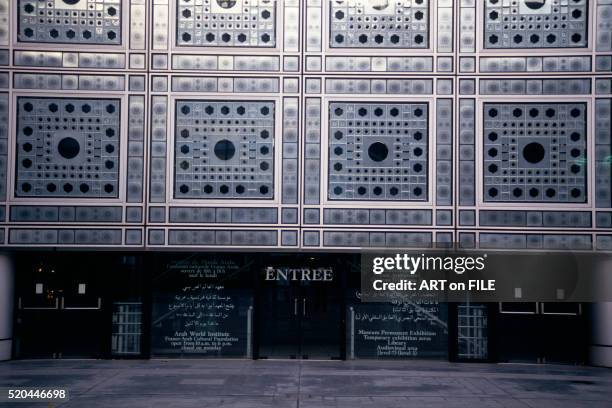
point(311, 384)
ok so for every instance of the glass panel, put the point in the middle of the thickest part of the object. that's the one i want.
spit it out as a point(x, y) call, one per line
point(472, 331)
point(398, 330)
point(393, 330)
point(202, 306)
point(81, 290)
point(300, 312)
point(127, 317)
point(38, 287)
point(567, 326)
point(127, 328)
point(279, 319)
point(519, 336)
point(320, 317)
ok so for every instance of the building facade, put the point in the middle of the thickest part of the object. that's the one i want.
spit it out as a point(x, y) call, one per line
point(158, 156)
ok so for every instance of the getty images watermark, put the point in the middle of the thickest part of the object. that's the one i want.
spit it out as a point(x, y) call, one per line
point(502, 276)
point(413, 264)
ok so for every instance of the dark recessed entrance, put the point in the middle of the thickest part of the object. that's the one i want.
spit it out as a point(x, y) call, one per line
point(68, 306)
point(64, 307)
point(300, 313)
point(541, 332)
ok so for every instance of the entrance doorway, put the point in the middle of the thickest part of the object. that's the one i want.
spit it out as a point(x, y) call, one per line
point(59, 309)
point(78, 305)
point(300, 314)
point(541, 332)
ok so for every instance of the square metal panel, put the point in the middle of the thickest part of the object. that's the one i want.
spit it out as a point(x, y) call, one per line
point(536, 24)
point(67, 147)
point(535, 152)
point(379, 24)
point(70, 21)
point(378, 151)
point(226, 23)
point(224, 149)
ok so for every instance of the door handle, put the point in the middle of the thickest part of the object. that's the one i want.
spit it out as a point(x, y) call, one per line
point(304, 307)
point(21, 307)
point(295, 312)
point(98, 307)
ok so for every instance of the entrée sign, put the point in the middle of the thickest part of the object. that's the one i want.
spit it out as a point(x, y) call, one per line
point(299, 274)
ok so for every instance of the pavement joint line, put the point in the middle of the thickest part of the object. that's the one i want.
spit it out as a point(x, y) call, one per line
point(117, 371)
point(299, 390)
point(492, 384)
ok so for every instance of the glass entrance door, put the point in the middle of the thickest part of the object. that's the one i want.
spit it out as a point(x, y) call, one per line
point(68, 304)
point(279, 320)
point(59, 309)
point(529, 332)
point(321, 328)
point(299, 316)
point(83, 326)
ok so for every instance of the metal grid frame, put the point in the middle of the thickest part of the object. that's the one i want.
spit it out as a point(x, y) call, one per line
point(296, 72)
point(472, 331)
point(80, 222)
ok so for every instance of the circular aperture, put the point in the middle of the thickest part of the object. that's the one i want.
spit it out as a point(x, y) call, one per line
point(224, 149)
point(226, 4)
point(378, 151)
point(535, 4)
point(68, 148)
point(534, 152)
point(379, 4)
point(71, 2)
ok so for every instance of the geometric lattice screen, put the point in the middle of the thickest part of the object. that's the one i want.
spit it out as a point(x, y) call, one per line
point(224, 149)
point(315, 124)
point(237, 23)
point(68, 147)
point(384, 24)
point(535, 152)
point(70, 21)
point(536, 24)
point(378, 151)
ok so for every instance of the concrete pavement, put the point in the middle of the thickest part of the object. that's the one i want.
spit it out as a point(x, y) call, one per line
point(310, 384)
